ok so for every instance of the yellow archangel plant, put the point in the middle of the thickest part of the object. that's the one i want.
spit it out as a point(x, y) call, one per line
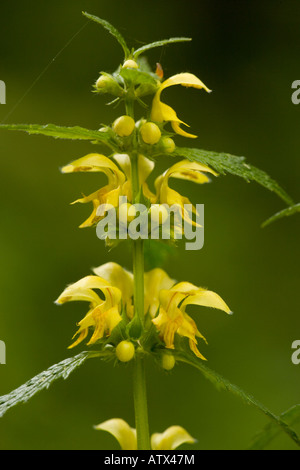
point(135, 314)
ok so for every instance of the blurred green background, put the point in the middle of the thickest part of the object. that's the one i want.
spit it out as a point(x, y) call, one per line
point(247, 53)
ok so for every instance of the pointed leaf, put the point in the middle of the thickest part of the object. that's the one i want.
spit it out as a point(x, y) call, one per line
point(45, 379)
point(111, 29)
point(271, 430)
point(285, 213)
point(223, 384)
point(58, 132)
point(161, 43)
point(225, 163)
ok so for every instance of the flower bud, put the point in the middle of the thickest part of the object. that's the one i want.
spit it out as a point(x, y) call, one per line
point(127, 212)
point(168, 361)
point(150, 133)
point(125, 351)
point(124, 126)
point(158, 213)
point(130, 64)
point(168, 144)
point(108, 84)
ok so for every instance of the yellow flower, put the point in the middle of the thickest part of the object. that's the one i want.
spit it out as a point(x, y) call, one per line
point(120, 278)
point(119, 180)
point(162, 112)
point(172, 318)
point(154, 281)
point(145, 167)
point(186, 170)
point(110, 193)
point(171, 439)
point(103, 315)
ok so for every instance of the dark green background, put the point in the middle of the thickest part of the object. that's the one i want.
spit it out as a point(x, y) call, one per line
point(248, 53)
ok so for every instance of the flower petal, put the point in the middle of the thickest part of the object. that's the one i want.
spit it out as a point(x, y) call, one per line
point(95, 162)
point(118, 277)
point(155, 280)
point(122, 432)
point(171, 439)
point(206, 298)
point(184, 79)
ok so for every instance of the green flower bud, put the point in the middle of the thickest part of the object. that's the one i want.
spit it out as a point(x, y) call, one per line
point(108, 84)
point(150, 133)
point(125, 351)
point(168, 144)
point(168, 361)
point(124, 126)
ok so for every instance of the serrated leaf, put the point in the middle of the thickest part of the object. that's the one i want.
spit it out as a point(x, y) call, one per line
point(59, 132)
point(111, 29)
point(44, 380)
point(163, 42)
point(285, 213)
point(223, 384)
point(225, 163)
point(271, 431)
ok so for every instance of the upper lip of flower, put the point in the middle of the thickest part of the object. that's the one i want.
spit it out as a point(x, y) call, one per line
point(162, 112)
point(170, 439)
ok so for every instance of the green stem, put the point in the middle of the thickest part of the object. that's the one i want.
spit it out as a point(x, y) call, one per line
point(139, 379)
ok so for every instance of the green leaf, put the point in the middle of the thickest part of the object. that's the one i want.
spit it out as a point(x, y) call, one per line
point(58, 132)
point(45, 379)
point(225, 163)
point(223, 384)
point(161, 43)
point(111, 29)
point(271, 430)
point(285, 213)
point(136, 77)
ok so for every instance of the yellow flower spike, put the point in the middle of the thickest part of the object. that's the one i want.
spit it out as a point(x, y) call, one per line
point(154, 281)
point(171, 439)
point(164, 113)
point(122, 432)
